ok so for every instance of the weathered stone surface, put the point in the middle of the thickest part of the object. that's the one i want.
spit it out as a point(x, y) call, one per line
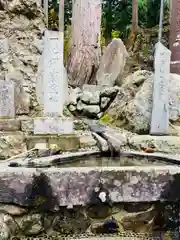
point(12, 209)
point(86, 140)
point(139, 222)
point(88, 110)
point(169, 144)
point(90, 97)
point(73, 96)
point(63, 142)
point(8, 227)
point(7, 99)
point(132, 106)
point(23, 23)
point(31, 224)
point(104, 102)
point(11, 144)
point(10, 125)
point(92, 88)
point(101, 142)
point(73, 186)
point(112, 63)
point(53, 126)
point(109, 92)
point(22, 98)
point(27, 125)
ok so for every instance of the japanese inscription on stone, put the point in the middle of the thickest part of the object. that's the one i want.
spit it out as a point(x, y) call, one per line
point(53, 75)
point(160, 111)
point(7, 105)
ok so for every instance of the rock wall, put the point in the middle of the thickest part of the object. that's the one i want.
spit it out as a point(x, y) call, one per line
point(22, 24)
point(92, 219)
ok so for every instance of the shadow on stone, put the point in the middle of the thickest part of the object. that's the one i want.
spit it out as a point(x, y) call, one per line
point(170, 210)
point(40, 194)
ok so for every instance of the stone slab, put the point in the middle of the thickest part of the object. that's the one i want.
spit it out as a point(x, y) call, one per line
point(160, 110)
point(94, 88)
point(63, 142)
point(7, 99)
point(11, 144)
point(22, 99)
point(10, 125)
point(27, 125)
point(53, 126)
point(4, 46)
point(53, 78)
point(73, 186)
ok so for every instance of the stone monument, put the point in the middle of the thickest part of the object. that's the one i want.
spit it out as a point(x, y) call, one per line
point(52, 87)
point(160, 111)
point(7, 99)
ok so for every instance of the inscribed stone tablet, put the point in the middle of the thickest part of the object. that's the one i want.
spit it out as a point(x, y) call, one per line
point(53, 81)
point(52, 126)
point(160, 111)
point(7, 106)
point(22, 100)
point(4, 46)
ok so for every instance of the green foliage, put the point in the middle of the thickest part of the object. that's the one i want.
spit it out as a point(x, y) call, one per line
point(116, 16)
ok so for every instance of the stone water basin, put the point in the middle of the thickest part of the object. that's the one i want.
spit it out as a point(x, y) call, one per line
point(139, 190)
point(102, 161)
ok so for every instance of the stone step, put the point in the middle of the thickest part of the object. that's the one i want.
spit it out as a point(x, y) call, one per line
point(64, 142)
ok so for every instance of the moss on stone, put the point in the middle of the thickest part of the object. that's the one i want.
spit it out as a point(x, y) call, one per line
point(106, 119)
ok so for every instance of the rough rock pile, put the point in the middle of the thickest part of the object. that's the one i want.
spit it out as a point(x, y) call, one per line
point(132, 106)
point(92, 101)
point(22, 24)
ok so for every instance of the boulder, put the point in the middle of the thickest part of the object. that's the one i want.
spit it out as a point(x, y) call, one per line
point(90, 97)
point(11, 144)
point(8, 227)
point(112, 63)
point(132, 106)
point(104, 102)
point(31, 224)
point(88, 110)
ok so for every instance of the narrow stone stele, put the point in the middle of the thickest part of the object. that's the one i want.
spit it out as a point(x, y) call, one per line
point(7, 105)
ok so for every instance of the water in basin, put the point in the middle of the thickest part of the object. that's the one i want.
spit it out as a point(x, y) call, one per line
point(98, 161)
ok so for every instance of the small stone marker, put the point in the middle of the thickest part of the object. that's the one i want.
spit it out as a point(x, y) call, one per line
point(52, 126)
point(53, 75)
point(7, 99)
point(160, 111)
point(4, 46)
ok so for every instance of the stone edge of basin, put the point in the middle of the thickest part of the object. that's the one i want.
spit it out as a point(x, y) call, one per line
point(73, 186)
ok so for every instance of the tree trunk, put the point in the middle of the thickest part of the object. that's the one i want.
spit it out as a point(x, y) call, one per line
point(84, 55)
point(134, 26)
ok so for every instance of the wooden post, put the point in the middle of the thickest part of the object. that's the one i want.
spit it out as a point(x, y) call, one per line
point(46, 2)
point(61, 25)
point(61, 16)
point(175, 36)
point(160, 111)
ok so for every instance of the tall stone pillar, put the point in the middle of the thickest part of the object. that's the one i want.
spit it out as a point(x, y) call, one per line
point(175, 36)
